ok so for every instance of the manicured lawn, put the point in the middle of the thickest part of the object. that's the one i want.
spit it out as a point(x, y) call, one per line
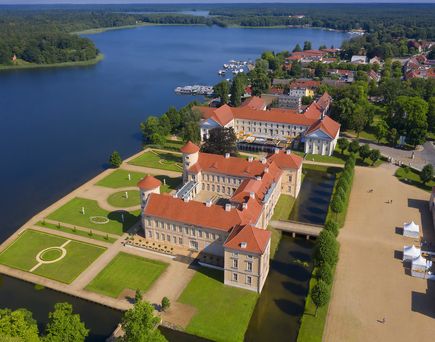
point(120, 200)
point(223, 311)
point(283, 207)
point(21, 254)
point(159, 160)
point(337, 158)
point(94, 236)
point(409, 176)
point(71, 213)
point(126, 271)
point(119, 179)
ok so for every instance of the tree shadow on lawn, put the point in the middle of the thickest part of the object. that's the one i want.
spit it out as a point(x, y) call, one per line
point(129, 218)
point(217, 275)
point(171, 182)
point(170, 157)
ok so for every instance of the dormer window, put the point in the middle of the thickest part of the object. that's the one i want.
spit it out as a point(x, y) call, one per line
point(243, 244)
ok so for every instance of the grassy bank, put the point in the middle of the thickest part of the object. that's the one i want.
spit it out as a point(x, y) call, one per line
point(25, 65)
point(412, 177)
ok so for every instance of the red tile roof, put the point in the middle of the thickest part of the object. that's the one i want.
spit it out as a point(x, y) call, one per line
point(313, 111)
point(254, 102)
point(149, 183)
point(286, 161)
point(326, 125)
point(304, 84)
point(189, 148)
point(249, 239)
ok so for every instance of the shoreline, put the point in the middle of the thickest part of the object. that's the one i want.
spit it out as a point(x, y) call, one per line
point(28, 66)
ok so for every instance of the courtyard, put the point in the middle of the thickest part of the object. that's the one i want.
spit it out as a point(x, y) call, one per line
point(371, 283)
point(50, 256)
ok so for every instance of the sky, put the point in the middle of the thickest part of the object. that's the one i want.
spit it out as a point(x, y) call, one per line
point(17, 2)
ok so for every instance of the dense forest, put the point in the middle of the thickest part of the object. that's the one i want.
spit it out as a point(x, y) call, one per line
point(42, 34)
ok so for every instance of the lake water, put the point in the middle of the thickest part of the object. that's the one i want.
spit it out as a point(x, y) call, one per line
point(58, 126)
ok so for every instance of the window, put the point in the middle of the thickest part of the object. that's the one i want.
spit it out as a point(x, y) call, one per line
point(194, 245)
point(174, 239)
point(192, 232)
point(248, 280)
point(249, 266)
point(157, 236)
point(163, 237)
point(235, 255)
point(235, 263)
point(150, 234)
point(235, 277)
point(168, 237)
point(180, 241)
point(207, 235)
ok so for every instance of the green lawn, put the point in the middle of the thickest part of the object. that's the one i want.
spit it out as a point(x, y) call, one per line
point(159, 160)
point(21, 254)
point(223, 311)
point(409, 176)
point(283, 207)
point(120, 200)
point(77, 232)
point(119, 179)
point(126, 271)
point(71, 213)
point(337, 158)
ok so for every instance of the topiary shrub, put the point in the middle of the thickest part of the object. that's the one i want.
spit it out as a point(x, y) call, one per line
point(332, 227)
point(326, 250)
point(324, 272)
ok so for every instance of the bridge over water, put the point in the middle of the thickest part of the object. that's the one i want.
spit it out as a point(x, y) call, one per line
point(296, 227)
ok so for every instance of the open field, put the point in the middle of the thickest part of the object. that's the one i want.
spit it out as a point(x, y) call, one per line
point(159, 160)
point(223, 312)
point(126, 271)
point(120, 200)
point(22, 253)
point(94, 236)
point(71, 213)
point(370, 281)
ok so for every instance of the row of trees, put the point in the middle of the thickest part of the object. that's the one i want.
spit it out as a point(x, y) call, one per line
point(327, 246)
point(183, 122)
point(354, 147)
point(63, 325)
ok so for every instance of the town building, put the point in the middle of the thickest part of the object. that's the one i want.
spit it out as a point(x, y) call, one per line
point(255, 128)
point(356, 59)
point(432, 205)
point(222, 210)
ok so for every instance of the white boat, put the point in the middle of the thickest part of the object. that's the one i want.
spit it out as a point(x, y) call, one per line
point(222, 72)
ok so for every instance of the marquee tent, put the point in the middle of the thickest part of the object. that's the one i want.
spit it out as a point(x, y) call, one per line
point(411, 252)
point(411, 230)
point(420, 267)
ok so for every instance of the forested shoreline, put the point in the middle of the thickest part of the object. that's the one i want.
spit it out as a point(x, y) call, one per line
point(42, 34)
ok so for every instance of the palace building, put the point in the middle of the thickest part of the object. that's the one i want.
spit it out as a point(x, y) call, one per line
point(253, 122)
point(222, 210)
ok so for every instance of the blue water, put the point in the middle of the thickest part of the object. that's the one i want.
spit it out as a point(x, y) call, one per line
point(58, 126)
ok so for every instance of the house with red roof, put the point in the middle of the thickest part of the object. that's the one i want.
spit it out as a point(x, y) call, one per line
point(222, 210)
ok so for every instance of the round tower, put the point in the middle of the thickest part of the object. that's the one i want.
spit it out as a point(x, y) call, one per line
point(147, 186)
point(190, 157)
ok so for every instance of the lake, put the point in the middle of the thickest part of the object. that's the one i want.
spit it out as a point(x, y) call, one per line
point(58, 126)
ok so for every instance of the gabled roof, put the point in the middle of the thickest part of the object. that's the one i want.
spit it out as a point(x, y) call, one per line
point(149, 183)
point(223, 115)
point(313, 111)
point(327, 126)
point(249, 239)
point(189, 148)
point(286, 161)
point(254, 102)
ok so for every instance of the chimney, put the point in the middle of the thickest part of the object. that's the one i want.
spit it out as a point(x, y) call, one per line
point(227, 155)
point(250, 159)
point(228, 207)
point(208, 203)
point(175, 195)
point(288, 152)
point(263, 161)
point(243, 245)
point(245, 205)
point(252, 194)
point(258, 178)
point(186, 199)
point(266, 170)
point(276, 150)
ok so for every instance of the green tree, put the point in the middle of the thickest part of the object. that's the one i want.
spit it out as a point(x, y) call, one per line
point(320, 295)
point(222, 90)
point(165, 125)
point(359, 119)
point(165, 303)
point(393, 136)
point(374, 156)
point(337, 204)
point(140, 324)
point(431, 114)
point(326, 249)
point(324, 272)
point(237, 91)
point(64, 325)
point(191, 132)
point(364, 152)
point(138, 297)
point(221, 140)
point(381, 130)
point(115, 159)
point(18, 325)
point(260, 84)
point(307, 45)
point(332, 227)
point(354, 146)
point(426, 173)
point(343, 144)
point(297, 48)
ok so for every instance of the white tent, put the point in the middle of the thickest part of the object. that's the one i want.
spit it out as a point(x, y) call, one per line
point(420, 267)
point(411, 252)
point(411, 230)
